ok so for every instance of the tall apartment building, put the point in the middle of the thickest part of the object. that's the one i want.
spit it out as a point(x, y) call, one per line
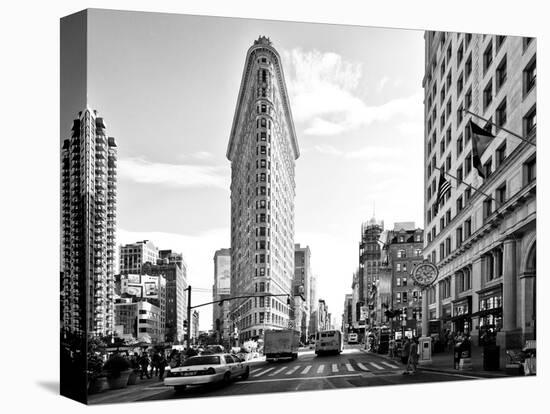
point(172, 266)
point(133, 256)
point(369, 262)
point(262, 149)
point(221, 290)
point(301, 289)
point(403, 247)
point(88, 222)
point(482, 240)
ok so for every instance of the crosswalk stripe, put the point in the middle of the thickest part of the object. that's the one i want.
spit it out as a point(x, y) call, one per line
point(349, 367)
point(293, 370)
point(263, 372)
point(364, 368)
point(276, 372)
point(255, 370)
point(306, 370)
point(334, 368)
point(389, 365)
point(320, 369)
point(376, 365)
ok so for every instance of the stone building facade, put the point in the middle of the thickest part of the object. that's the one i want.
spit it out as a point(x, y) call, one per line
point(482, 238)
point(262, 149)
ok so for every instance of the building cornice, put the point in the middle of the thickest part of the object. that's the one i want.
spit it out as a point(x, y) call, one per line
point(237, 118)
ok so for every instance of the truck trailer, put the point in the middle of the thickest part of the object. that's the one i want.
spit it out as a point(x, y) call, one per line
point(281, 344)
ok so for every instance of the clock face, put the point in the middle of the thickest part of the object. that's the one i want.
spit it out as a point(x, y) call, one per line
point(425, 274)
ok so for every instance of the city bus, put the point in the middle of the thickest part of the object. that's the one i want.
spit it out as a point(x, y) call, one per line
point(352, 338)
point(328, 342)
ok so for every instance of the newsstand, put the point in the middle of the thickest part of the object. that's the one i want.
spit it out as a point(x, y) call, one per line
point(491, 358)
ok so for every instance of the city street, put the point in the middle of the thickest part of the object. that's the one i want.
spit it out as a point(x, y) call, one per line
point(353, 368)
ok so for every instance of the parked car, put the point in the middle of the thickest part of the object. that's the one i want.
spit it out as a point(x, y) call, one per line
point(205, 369)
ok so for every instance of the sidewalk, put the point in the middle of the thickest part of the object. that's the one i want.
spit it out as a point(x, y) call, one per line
point(443, 362)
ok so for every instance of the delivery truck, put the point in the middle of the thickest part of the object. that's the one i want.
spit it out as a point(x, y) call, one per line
point(281, 344)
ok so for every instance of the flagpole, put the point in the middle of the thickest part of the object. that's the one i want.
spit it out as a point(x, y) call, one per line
point(471, 186)
point(504, 129)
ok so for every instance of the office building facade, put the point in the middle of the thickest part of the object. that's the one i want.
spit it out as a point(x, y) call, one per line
point(133, 256)
point(221, 290)
point(262, 150)
point(482, 235)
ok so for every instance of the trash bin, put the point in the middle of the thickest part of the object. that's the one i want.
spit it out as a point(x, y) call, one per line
point(491, 358)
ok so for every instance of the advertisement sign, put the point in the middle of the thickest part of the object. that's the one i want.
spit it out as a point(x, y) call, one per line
point(151, 289)
point(134, 279)
point(135, 291)
point(223, 275)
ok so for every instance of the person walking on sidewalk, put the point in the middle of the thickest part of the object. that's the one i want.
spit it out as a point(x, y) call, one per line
point(144, 364)
point(405, 350)
point(162, 366)
point(413, 357)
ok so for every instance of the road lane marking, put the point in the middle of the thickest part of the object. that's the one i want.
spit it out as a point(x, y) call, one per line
point(263, 372)
point(389, 365)
point(298, 378)
point(255, 370)
point(293, 370)
point(334, 368)
point(376, 365)
point(276, 372)
point(306, 370)
point(349, 367)
point(364, 368)
point(320, 369)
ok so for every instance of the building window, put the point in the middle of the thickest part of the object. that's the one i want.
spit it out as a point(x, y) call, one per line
point(468, 38)
point(398, 281)
point(467, 194)
point(487, 207)
point(501, 194)
point(500, 154)
point(530, 76)
point(448, 163)
point(459, 145)
point(488, 167)
point(442, 146)
point(487, 57)
point(468, 99)
point(459, 115)
point(401, 254)
point(501, 114)
point(459, 54)
point(449, 108)
point(468, 67)
point(448, 216)
point(526, 42)
point(530, 122)
point(441, 251)
point(459, 175)
point(501, 73)
point(488, 94)
point(449, 81)
point(442, 68)
point(499, 41)
point(442, 95)
point(459, 204)
point(467, 228)
point(449, 52)
point(468, 164)
point(490, 266)
point(459, 85)
point(530, 171)
point(458, 236)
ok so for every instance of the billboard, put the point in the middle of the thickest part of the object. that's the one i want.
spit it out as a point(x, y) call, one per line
point(223, 276)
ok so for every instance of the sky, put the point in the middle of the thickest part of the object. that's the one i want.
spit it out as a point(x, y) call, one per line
point(166, 86)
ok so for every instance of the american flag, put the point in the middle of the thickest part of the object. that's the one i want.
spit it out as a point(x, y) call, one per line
point(444, 187)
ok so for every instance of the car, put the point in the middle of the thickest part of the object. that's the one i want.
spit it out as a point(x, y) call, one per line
point(312, 344)
point(206, 369)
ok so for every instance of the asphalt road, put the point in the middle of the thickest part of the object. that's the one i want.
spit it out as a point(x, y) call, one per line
point(352, 368)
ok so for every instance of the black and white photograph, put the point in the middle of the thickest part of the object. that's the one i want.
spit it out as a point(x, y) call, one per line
point(274, 207)
point(254, 206)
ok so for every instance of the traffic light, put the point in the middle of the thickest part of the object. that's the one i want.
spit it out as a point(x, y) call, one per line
point(288, 300)
point(185, 324)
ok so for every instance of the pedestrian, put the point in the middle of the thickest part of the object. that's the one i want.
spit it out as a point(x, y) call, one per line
point(457, 351)
point(413, 357)
point(155, 364)
point(162, 366)
point(405, 350)
point(144, 364)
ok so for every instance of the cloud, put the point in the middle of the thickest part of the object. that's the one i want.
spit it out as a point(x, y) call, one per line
point(143, 171)
point(323, 89)
point(382, 83)
point(366, 153)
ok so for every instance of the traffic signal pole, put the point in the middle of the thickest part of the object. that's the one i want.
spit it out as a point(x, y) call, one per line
point(188, 316)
